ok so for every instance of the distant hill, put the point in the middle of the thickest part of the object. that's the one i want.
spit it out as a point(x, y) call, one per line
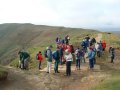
point(14, 37)
point(117, 29)
point(117, 32)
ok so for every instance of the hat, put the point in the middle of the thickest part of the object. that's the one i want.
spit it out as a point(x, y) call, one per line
point(47, 47)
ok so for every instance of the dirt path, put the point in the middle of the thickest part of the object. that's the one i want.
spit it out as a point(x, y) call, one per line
point(40, 80)
point(27, 80)
point(99, 37)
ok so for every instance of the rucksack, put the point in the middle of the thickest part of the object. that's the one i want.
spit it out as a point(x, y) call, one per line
point(36, 56)
point(83, 44)
point(56, 55)
point(45, 54)
point(93, 53)
point(78, 54)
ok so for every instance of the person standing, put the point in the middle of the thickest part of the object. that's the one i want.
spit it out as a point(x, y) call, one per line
point(56, 57)
point(98, 47)
point(103, 45)
point(67, 39)
point(91, 55)
point(94, 56)
point(48, 56)
point(39, 58)
point(68, 57)
point(61, 54)
point(78, 58)
point(112, 53)
point(84, 45)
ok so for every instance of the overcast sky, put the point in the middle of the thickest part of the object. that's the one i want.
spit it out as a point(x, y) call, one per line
point(69, 13)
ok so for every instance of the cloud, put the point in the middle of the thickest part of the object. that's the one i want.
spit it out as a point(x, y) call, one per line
point(72, 13)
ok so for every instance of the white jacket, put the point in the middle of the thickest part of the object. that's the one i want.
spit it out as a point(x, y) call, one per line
point(68, 57)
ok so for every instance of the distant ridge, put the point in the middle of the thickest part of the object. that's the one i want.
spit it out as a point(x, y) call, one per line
point(15, 36)
point(116, 32)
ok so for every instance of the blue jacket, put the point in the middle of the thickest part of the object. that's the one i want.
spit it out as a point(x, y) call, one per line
point(91, 54)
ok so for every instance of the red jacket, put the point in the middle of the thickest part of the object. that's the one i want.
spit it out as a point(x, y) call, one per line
point(103, 45)
point(40, 57)
point(64, 47)
point(70, 48)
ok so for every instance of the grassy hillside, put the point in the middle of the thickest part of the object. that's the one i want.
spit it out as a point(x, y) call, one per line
point(112, 39)
point(113, 81)
point(14, 37)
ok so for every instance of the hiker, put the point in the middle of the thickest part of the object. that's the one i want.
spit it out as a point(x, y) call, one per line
point(48, 56)
point(103, 45)
point(83, 55)
point(61, 54)
point(92, 41)
point(98, 47)
point(84, 45)
point(112, 54)
point(39, 57)
point(94, 49)
point(67, 39)
point(56, 40)
point(21, 62)
point(26, 58)
point(110, 49)
point(56, 57)
point(68, 57)
point(78, 58)
point(63, 41)
point(87, 37)
point(91, 55)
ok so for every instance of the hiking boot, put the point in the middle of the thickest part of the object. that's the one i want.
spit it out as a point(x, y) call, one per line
point(58, 72)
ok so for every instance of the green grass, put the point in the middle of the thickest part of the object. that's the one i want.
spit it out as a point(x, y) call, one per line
point(112, 39)
point(112, 83)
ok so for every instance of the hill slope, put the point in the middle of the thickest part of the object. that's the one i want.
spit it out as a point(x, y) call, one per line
point(14, 37)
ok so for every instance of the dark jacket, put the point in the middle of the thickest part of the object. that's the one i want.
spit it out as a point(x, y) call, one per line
point(56, 55)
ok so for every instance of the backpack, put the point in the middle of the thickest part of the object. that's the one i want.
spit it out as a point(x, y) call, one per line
point(83, 44)
point(78, 54)
point(93, 53)
point(36, 56)
point(55, 55)
point(45, 54)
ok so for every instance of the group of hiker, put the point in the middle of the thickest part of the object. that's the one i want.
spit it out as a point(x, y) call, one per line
point(63, 41)
point(65, 53)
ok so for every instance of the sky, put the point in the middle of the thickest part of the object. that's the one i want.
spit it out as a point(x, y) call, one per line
point(68, 13)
